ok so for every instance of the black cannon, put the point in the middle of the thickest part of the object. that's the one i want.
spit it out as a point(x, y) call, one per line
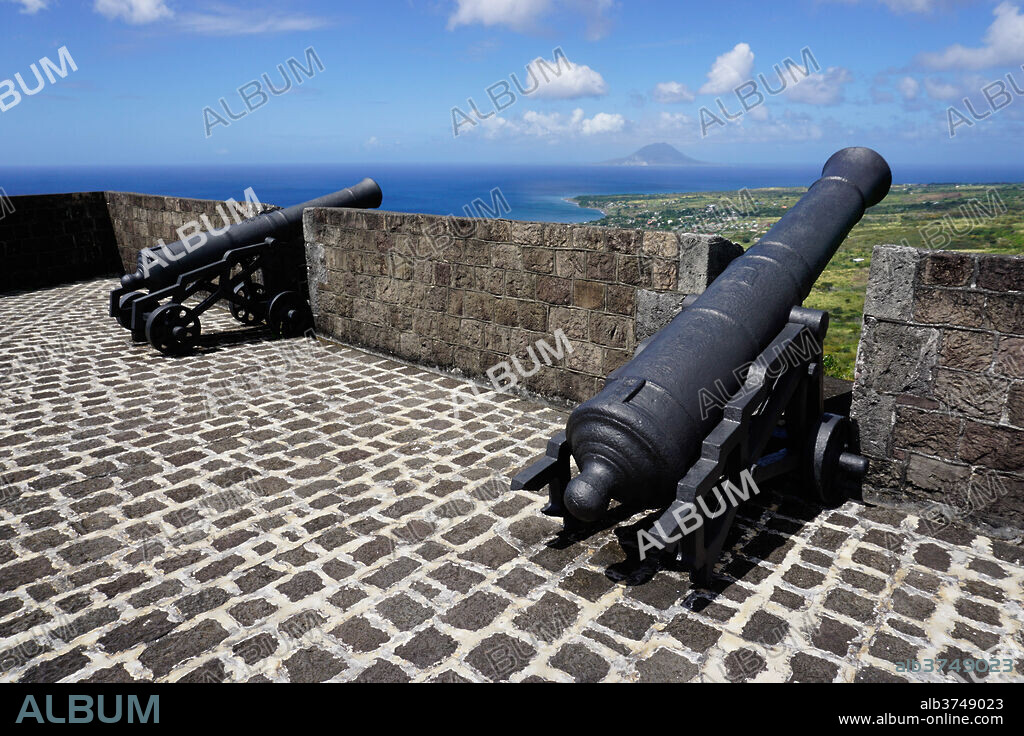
point(729, 393)
point(247, 264)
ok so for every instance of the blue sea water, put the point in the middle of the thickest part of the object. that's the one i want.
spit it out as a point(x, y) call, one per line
point(532, 192)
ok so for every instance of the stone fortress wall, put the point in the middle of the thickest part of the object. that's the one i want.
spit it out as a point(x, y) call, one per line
point(939, 386)
point(486, 296)
point(938, 400)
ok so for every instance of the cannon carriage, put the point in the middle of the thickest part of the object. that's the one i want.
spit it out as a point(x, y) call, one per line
point(250, 265)
point(729, 393)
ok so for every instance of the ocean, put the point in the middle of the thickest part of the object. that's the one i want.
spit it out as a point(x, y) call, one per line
point(531, 192)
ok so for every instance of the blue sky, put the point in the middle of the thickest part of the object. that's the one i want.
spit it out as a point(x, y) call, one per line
point(641, 71)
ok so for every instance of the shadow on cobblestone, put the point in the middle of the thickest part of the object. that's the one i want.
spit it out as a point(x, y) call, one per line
point(214, 342)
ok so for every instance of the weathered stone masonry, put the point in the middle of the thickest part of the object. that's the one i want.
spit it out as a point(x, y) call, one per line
point(939, 390)
point(469, 294)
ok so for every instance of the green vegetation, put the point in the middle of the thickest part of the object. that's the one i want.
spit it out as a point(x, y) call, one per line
point(976, 218)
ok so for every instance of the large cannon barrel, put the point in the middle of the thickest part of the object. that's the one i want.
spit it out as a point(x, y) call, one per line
point(636, 438)
point(158, 267)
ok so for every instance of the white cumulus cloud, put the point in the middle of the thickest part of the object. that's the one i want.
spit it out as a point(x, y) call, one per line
point(730, 70)
point(525, 15)
point(1003, 44)
point(669, 92)
point(603, 122)
point(552, 125)
point(133, 11)
point(561, 83)
point(821, 89)
point(518, 15)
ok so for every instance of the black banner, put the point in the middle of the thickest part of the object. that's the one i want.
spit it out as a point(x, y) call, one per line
point(726, 706)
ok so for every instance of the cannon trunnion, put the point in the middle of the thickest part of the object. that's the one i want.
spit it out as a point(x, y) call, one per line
point(249, 265)
point(729, 394)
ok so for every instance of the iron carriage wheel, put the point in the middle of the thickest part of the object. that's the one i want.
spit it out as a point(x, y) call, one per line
point(289, 314)
point(173, 329)
point(247, 313)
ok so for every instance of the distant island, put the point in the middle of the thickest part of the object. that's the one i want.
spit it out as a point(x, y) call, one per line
point(656, 154)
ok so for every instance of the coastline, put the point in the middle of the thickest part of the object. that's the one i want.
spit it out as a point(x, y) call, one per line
point(575, 201)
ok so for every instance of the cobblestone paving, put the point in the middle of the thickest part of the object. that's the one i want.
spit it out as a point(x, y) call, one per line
point(295, 511)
